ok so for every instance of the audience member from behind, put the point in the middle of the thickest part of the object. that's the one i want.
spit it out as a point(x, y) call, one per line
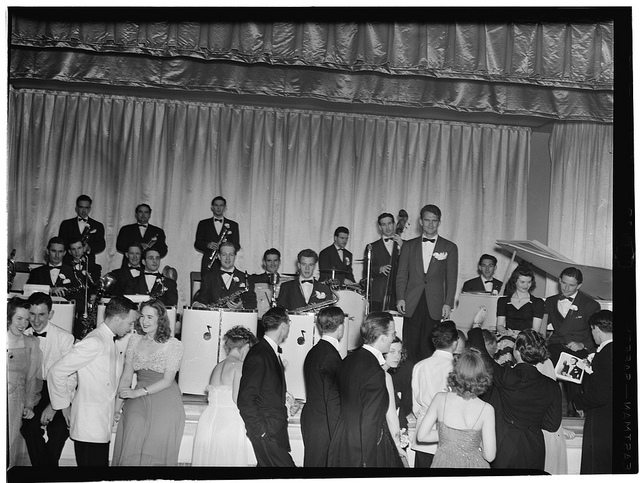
point(221, 437)
point(429, 378)
point(466, 433)
point(596, 399)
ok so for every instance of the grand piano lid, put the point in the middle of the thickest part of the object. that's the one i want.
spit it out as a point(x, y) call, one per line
point(597, 281)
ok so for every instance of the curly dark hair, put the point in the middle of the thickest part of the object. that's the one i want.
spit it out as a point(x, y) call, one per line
point(237, 337)
point(531, 346)
point(163, 333)
point(470, 376)
point(13, 305)
point(523, 269)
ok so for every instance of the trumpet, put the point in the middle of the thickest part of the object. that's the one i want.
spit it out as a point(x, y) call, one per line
point(319, 305)
point(223, 238)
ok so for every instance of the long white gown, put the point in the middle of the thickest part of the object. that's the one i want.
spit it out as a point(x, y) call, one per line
point(221, 438)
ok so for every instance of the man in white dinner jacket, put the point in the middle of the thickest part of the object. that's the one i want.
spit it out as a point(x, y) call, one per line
point(98, 364)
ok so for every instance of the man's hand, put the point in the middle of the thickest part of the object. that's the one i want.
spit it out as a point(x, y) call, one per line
point(235, 305)
point(59, 291)
point(66, 412)
point(446, 312)
point(398, 240)
point(198, 305)
point(27, 413)
point(384, 270)
point(575, 346)
point(212, 246)
point(400, 305)
point(47, 415)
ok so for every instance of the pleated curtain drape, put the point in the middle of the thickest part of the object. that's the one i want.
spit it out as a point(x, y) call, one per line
point(290, 176)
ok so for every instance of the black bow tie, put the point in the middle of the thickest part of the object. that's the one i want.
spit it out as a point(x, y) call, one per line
point(570, 299)
point(154, 274)
point(339, 249)
point(430, 240)
point(488, 281)
point(41, 334)
point(227, 272)
point(134, 268)
point(388, 239)
point(306, 281)
point(83, 220)
point(217, 220)
point(115, 338)
point(141, 224)
point(279, 350)
point(58, 267)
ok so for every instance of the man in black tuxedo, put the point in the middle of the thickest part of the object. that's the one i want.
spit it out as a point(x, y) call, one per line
point(596, 399)
point(73, 228)
point(151, 282)
point(337, 257)
point(304, 289)
point(124, 276)
point(225, 281)
point(485, 282)
point(209, 233)
point(141, 232)
point(55, 274)
point(262, 393)
point(322, 407)
point(425, 284)
point(381, 263)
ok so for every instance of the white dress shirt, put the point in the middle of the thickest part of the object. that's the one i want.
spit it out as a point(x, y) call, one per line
point(427, 252)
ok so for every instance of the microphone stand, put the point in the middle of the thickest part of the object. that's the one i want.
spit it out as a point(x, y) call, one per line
point(367, 305)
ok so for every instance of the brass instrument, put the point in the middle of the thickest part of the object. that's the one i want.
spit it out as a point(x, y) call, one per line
point(11, 269)
point(229, 298)
point(319, 305)
point(223, 238)
point(90, 320)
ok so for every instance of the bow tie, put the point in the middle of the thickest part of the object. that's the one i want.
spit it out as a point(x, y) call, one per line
point(430, 240)
point(134, 268)
point(570, 299)
point(155, 274)
point(41, 334)
point(388, 239)
point(217, 220)
point(279, 350)
point(58, 267)
point(488, 281)
point(225, 272)
point(339, 249)
point(83, 220)
point(143, 225)
point(115, 338)
point(306, 281)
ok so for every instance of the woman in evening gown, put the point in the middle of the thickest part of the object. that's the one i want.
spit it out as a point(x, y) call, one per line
point(150, 430)
point(24, 379)
point(466, 432)
point(221, 437)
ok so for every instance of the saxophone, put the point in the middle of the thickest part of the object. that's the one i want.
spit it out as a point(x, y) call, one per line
point(229, 298)
point(90, 321)
point(318, 305)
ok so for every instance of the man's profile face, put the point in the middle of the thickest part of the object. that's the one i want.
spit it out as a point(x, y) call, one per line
point(56, 252)
point(272, 263)
point(143, 214)
point(134, 255)
point(125, 324)
point(341, 240)
point(152, 261)
point(569, 286)
point(218, 207)
point(487, 268)
point(39, 315)
point(430, 223)
point(83, 208)
point(387, 227)
point(307, 265)
point(227, 257)
point(77, 250)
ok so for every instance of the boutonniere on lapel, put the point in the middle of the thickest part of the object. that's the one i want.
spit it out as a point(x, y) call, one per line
point(347, 260)
point(573, 308)
point(236, 279)
point(440, 255)
point(494, 292)
point(320, 295)
point(63, 278)
point(242, 285)
point(160, 286)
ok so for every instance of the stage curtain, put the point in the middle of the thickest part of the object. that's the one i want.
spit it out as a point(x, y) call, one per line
point(290, 176)
point(560, 70)
point(581, 207)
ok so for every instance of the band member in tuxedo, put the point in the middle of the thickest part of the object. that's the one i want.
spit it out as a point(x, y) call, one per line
point(381, 262)
point(426, 284)
point(55, 274)
point(74, 228)
point(337, 257)
point(597, 399)
point(54, 343)
point(86, 278)
point(304, 289)
point(271, 263)
point(225, 281)
point(485, 282)
point(142, 232)
point(96, 364)
point(151, 282)
point(568, 313)
point(124, 276)
point(322, 407)
point(209, 233)
point(262, 393)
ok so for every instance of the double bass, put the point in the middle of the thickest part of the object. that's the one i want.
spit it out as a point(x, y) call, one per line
point(390, 290)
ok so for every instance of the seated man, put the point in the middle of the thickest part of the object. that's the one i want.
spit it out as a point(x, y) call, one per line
point(59, 277)
point(304, 289)
point(485, 282)
point(142, 232)
point(152, 282)
point(271, 263)
point(124, 276)
point(225, 285)
point(335, 260)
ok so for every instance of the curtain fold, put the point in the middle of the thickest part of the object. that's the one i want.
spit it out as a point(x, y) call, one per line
point(581, 207)
point(290, 176)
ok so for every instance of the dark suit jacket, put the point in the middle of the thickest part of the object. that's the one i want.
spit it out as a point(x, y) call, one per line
point(206, 232)
point(123, 280)
point(292, 298)
point(261, 398)
point(69, 230)
point(322, 407)
point(213, 288)
point(329, 258)
point(379, 258)
point(66, 278)
point(575, 326)
point(362, 436)
point(478, 285)
point(165, 289)
point(95, 271)
point(438, 284)
point(597, 401)
point(129, 234)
